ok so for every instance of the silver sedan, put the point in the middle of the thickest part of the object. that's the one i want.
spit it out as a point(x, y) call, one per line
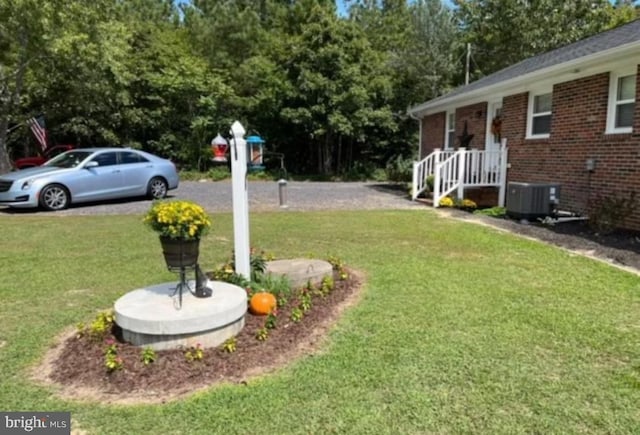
point(88, 175)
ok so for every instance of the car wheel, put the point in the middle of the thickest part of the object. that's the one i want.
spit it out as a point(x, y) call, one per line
point(157, 188)
point(54, 197)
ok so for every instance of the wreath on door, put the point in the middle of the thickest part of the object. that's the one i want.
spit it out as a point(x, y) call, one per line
point(496, 126)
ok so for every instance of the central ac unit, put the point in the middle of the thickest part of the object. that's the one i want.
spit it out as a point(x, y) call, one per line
point(532, 200)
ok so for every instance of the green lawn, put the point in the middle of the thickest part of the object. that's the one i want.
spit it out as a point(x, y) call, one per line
point(461, 328)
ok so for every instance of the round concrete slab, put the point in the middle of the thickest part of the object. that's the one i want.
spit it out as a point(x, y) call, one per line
point(150, 316)
point(299, 271)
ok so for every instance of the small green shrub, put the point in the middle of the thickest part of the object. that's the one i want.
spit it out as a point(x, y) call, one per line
point(262, 334)
point(112, 361)
point(360, 171)
point(218, 173)
point(230, 345)
point(260, 176)
point(609, 212)
point(194, 353)
point(431, 179)
point(326, 286)
point(493, 211)
point(192, 175)
point(338, 265)
point(148, 356)
point(257, 260)
point(272, 319)
point(399, 169)
point(305, 300)
point(101, 325)
point(296, 315)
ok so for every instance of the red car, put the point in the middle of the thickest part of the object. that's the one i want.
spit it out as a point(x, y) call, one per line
point(30, 162)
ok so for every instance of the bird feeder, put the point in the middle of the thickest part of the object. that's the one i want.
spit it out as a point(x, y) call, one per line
point(255, 153)
point(219, 147)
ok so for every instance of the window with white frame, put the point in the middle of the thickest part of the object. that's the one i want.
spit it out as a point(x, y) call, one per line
point(450, 133)
point(539, 115)
point(622, 102)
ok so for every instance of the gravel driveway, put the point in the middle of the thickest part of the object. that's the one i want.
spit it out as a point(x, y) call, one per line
point(263, 196)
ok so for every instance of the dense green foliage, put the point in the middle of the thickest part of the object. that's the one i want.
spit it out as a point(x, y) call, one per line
point(504, 32)
point(328, 90)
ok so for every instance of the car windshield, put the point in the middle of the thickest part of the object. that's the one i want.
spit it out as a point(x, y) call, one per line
point(70, 159)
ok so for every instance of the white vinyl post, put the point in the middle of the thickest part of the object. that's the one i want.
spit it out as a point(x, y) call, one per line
point(502, 192)
point(240, 200)
point(462, 169)
point(414, 183)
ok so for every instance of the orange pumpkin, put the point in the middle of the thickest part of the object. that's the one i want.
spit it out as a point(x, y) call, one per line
point(262, 303)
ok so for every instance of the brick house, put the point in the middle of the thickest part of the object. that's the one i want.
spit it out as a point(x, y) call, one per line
point(568, 116)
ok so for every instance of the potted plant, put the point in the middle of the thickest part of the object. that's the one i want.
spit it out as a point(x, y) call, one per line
point(180, 224)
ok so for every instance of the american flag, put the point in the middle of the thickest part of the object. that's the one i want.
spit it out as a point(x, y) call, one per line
point(37, 128)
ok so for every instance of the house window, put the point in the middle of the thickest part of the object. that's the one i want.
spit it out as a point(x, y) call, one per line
point(450, 133)
point(622, 102)
point(539, 115)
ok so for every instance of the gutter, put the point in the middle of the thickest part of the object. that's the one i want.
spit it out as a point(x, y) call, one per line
point(575, 68)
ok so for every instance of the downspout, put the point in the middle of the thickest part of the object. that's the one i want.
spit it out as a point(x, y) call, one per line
point(412, 116)
point(414, 182)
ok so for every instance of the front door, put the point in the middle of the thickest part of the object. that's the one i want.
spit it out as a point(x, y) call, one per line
point(492, 144)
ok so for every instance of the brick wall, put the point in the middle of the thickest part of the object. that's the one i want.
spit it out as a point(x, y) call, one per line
point(475, 116)
point(432, 133)
point(433, 128)
point(578, 124)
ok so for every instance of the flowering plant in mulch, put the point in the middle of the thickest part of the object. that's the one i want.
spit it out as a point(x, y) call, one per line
point(178, 219)
point(447, 201)
point(467, 204)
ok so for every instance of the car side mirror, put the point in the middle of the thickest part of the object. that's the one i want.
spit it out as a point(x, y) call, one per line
point(91, 164)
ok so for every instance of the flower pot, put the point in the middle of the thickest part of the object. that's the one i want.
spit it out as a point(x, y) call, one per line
point(180, 253)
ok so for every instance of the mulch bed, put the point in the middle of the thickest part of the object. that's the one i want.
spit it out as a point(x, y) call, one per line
point(81, 363)
point(620, 247)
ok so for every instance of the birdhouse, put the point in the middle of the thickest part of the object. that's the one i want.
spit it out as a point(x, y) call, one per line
point(219, 147)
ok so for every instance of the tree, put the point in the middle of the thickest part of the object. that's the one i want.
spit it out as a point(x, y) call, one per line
point(26, 27)
point(338, 90)
point(417, 42)
point(504, 32)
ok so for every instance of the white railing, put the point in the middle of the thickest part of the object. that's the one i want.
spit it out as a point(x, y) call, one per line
point(455, 171)
point(425, 168)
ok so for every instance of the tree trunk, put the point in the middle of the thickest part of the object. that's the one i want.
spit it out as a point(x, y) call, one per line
point(5, 161)
point(320, 159)
point(8, 98)
point(327, 154)
point(339, 156)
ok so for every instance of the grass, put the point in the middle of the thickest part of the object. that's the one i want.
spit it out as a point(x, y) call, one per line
point(460, 329)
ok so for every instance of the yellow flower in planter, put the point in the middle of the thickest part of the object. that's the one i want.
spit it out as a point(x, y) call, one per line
point(184, 220)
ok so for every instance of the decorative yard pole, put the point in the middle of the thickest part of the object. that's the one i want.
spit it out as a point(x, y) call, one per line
point(240, 200)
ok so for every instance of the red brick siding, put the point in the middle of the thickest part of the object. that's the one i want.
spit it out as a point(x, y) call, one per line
point(432, 133)
point(433, 128)
point(475, 116)
point(579, 117)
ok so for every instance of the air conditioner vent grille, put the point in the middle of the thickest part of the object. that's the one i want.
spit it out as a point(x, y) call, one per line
point(532, 200)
